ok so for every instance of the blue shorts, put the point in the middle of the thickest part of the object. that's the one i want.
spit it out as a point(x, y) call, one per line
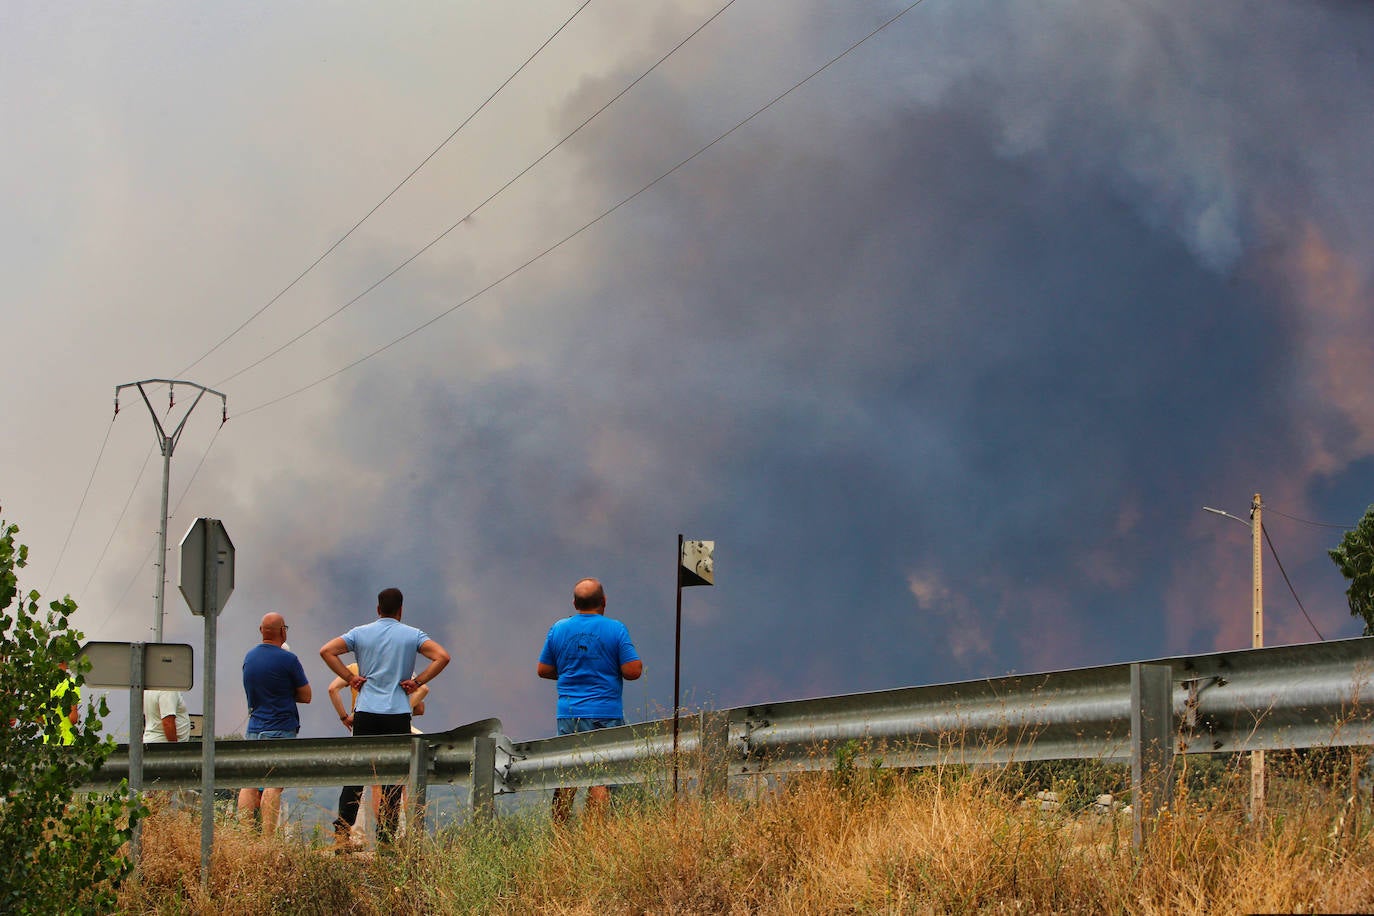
point(268, 735)
point(574, 725)
point(271, 733)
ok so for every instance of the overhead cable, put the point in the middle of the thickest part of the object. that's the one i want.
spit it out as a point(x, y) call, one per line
point(139, 570)
point(149, 555)
point(585, 226)
point(200, 464)
point(441, 236)
point(115, 529)
point(341, 239)
point(81, 505)
point(1275, 554)
point(1307, 521)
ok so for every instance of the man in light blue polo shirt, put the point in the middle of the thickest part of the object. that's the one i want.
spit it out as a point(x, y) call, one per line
point(590, 656)
point(385, 650)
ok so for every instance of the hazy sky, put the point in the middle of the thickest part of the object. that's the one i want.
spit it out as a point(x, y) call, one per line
point(946, 349)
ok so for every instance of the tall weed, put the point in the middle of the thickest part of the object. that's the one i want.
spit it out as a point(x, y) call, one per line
point(936, 840)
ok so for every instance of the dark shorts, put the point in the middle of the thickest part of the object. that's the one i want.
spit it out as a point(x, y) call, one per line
point(576, 724)
point(377, 723)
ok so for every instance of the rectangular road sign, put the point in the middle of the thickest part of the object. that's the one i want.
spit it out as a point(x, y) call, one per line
point(166, 666)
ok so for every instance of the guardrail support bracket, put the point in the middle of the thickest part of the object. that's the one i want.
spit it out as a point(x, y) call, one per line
point(714, 748)
point(1152, 745)
point(482, 784)
point(418, 782)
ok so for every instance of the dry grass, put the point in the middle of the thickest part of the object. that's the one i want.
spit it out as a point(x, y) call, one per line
point(924, 842)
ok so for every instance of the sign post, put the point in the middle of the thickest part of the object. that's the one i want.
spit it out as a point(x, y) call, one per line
point(696, 565)
point(137, 665)
point(207, 581)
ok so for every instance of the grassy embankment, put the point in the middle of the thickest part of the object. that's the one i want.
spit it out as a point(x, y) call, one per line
point(861, 841)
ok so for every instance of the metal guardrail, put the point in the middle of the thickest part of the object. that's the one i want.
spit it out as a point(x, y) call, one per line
point(1254, 699)
point(416, 760)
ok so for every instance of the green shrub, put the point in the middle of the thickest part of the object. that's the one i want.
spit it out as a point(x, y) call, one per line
point(59, 848)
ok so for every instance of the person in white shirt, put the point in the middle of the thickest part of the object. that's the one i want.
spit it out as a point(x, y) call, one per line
point(165, 718)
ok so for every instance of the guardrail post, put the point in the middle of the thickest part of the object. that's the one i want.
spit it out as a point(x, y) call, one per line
point(417, 786)
point(713, 747)
point(1152, 745)
point(482, 782)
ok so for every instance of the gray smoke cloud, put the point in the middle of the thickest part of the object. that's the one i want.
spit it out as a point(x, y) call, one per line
point(945, 350)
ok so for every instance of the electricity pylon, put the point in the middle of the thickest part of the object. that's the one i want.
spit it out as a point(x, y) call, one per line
point(167, 443)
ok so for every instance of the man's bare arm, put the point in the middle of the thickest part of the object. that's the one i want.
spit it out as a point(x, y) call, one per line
point(330, 653)
point(438, 660)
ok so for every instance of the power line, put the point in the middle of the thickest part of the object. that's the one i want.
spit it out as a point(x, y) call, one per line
point(441, 236)
point(585, 226)
point(1275, 553)
point(1309, 521)
point(341, 239)
point(82, 505)
point(115, 530)
point(63, 552)
point(148, 556)
point(199, 465)
point(124, 594)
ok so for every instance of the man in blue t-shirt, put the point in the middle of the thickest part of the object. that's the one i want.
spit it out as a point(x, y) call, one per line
point(590, 656)
point(385, 650)
point(274, 682)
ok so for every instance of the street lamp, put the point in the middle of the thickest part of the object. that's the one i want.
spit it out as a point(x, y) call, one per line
point(1256, 526)
point(1234, 518)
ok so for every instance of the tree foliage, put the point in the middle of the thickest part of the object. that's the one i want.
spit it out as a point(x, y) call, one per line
point(1355, 558)
point(60, 849)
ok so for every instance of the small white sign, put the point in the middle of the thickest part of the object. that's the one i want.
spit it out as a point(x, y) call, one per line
point(698, 563)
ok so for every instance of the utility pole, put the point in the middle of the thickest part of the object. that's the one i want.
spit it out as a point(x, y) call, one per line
point(1256, 641)
point(1256, 525)
point(167, 443)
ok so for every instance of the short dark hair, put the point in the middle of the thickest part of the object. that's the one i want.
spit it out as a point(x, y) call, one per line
point(389, 602)
point(590, 602)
